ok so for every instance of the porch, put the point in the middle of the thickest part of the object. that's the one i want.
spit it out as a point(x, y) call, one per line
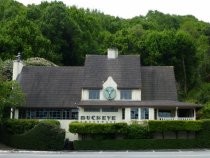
point(175, 114)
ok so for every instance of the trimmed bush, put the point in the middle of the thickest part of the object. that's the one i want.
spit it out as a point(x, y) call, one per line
point(32, 134)
point(52, 122)
point(93, 128)
point(164, 126)
point(13, 126)
point(44, 136)
point(137, 144)
point(136, 131)
point(202, 140)
point(204, 134)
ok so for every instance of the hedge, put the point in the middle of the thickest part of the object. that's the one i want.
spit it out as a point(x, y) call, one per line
point(136, 131)
point(164, 126)
point(202, 140)
point(13, 126)
point(138, 144)
point(52, 122)
point(93, 128)
point(44, 135)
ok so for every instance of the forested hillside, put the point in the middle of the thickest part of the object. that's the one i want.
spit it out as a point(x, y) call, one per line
point(64, 35)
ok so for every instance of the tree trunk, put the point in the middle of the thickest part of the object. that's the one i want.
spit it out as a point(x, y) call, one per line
point(185, 76)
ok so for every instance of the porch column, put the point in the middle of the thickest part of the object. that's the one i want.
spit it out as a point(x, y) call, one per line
point(16, 113)
point(157, 114)
point(194, 113)
point(176, 113)
point(127, 114)
point(11, 113)
point(151, 114)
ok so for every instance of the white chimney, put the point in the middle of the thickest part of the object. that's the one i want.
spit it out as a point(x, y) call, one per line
point(112, 53)
point(17, 67)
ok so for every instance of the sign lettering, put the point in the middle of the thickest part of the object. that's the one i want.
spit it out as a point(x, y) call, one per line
point(98, 118)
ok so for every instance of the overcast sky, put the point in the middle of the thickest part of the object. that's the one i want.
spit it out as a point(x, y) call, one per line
point(130, 8)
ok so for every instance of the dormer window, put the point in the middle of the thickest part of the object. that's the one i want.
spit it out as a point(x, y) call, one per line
point(125, 94)
point(94, 94)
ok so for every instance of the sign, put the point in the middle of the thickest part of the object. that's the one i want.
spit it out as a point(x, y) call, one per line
point(98, 118)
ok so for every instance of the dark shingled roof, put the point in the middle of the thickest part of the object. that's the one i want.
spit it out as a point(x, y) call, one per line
point(158, 83)
point(62, 86)
point(51, 86)
point(125, 70)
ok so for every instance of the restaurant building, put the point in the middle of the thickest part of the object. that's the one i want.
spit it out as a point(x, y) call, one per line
point(107, 89)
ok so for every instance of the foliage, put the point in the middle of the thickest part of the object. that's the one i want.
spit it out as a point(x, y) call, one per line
point(132, 131)
point(202, 139)
point(163, 126)
point(93, 128)
point(136, 131)
point(36, 61)
point(138, 144)
point(13, 126)
point(64, 35)
point(205, 111)
point(42, 137)
point(45, 135)
point(10, 95)
point(51, 122)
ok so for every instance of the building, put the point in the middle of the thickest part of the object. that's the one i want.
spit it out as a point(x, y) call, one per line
point(107, 89)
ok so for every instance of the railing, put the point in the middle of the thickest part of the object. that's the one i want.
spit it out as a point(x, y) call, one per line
point(176, 118)
point(186, 118)
point(166, 118)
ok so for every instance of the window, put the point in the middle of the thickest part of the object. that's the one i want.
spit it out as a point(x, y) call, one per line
point(125, 94)
point(94, 94)
point(48, 113)
point(165, 113)
point(144, 113)
point(91, 109)
point(134, 113)
point(109, 109)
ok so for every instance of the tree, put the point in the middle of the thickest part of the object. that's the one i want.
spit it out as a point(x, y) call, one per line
point(186, 65)
point(11, 95)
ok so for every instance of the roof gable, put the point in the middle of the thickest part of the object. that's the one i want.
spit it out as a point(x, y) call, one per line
point(125, 70)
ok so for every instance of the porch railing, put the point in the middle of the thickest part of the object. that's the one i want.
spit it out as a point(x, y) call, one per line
point(176, 118)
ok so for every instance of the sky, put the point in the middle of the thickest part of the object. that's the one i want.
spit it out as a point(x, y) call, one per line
point(131, 8)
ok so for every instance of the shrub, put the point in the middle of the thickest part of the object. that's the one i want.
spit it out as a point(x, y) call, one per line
point(93, 128)
point(42, 137)
point(136, 131)
point(13, 126)
point(202, 140)
point(164, 126)
point(52, 122)
point(32, 134)
point(205, 111)
point(205, 133)
point(136, 144)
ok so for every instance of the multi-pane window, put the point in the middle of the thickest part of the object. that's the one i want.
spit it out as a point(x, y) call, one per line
point(110, 109)
point(144, 113)
point(91, 109)
point(134, 113)
point(125, 94)
point(48, 113)
point(94, 94)
point(165, 113)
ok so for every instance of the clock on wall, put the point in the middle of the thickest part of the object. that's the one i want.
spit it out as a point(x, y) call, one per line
point(109, 93)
